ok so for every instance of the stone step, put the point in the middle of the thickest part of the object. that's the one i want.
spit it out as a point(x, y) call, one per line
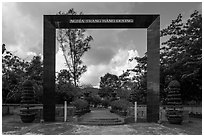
point(105, 121)
point(102, 119)
point(101, 123)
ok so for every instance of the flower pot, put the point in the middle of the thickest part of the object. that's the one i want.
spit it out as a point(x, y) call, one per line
point(175, 119)
point(27, 118)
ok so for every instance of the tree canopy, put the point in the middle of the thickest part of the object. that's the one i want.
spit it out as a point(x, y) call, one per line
point(74, 43)
point(180, 58)
point(108, 84)
point(15, 71)
point(181, 54)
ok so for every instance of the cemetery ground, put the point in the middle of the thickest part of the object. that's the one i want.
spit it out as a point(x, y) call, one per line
point(11, 124)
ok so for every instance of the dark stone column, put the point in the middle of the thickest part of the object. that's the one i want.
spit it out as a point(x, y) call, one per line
point(153, 70)
point(48, 70)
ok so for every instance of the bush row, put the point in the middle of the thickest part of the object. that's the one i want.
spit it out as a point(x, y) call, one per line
point(81, 105)
point(120, 106)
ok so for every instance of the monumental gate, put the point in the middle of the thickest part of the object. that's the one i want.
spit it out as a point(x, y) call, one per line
point(149, 22)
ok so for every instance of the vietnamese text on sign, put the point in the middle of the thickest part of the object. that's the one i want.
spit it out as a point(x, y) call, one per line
point(101, 21)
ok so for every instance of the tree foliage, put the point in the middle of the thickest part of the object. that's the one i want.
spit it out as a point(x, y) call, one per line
point(108, 84)
point(15, 71)
point(180, 58)
point(74, 43)
point(181, 55)
point(65, 89)
point(137, 84)
point(64, 77)
point(35, 69)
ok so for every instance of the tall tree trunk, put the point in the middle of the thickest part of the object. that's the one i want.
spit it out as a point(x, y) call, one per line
point(74, 65)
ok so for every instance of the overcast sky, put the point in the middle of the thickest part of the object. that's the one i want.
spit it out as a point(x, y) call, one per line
point(110, 50)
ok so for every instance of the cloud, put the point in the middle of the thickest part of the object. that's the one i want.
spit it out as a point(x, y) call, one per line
point(36, 8)
point(60, 61)
point(31, 54)
point(118, 64)
point(93, 74)
point(107, 42)
point(133, 39)
point(20, 33)
point(111, 48)
point(98, 56)
point(22, 28)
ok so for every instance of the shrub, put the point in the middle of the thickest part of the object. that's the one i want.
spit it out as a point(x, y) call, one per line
point(66, 92)
point(80, 104)
point(121, 105)
point(95, 100)
point(123, 93)
point(105, 103)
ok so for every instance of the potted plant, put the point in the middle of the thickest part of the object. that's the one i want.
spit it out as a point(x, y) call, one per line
point(27, 99)
point(174, 102)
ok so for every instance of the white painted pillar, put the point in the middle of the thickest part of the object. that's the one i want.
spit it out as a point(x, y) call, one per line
point(135, 111)
point(65, 111)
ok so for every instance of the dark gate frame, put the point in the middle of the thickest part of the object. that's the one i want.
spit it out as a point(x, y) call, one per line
point(149, 22)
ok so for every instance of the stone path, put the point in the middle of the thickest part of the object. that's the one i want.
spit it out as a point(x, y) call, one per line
point(103, 113)
point(101, 117)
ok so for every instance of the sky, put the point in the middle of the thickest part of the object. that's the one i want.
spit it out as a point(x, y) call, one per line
point(22, 28)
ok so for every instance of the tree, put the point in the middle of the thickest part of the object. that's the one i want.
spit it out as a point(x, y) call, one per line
point(65, 89)
point(123, 93)
point(66, 92)
point(181, 55)
point(13, 74)
point(74, 43)
point(35, 69)
point(108, 84)
point(139, 80)
point(138, 95)
point(64, 77)
point(15, 71)
point(85, 86)
point(34, 72)
point(126, 80)
point(3, 48)
point(180, 58)
point(95, 100)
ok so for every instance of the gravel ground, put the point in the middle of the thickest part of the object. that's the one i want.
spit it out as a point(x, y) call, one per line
point(13, 125)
